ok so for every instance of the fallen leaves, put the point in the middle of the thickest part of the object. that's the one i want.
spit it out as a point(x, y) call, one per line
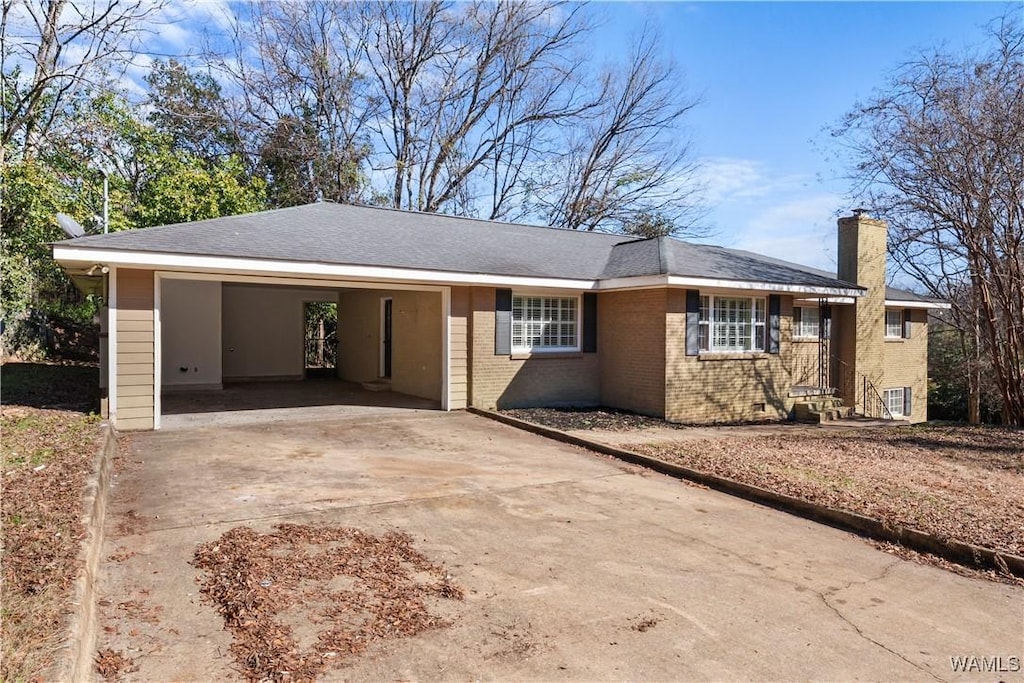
point(110, 664)
point(47, 456)
point(304, 598)
point(953, 482)
point(567, 419)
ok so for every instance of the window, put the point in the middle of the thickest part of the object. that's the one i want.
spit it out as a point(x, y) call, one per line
point(730, 324)
point(806, 322)
point(544, 323)
point(893, 323)
point(894, 401)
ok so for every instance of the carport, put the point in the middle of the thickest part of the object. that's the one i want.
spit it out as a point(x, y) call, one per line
point(227, 343)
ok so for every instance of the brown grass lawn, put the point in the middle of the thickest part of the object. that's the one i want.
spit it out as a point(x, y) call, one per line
point(955, 482)
point(48, 442)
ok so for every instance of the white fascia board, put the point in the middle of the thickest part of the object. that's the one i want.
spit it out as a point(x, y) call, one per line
point(830, 300)
point(270, 267)
point(679, 281)
point(75, 256)
point(651, 281)
point(938, 305)
point(637, 282)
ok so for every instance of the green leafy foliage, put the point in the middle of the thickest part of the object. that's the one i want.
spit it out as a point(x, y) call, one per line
point(183, 189)
point(153, 179)
point(948, 387)
point(32, 195)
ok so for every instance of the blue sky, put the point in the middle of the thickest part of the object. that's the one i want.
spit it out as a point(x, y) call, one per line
point(772, 76)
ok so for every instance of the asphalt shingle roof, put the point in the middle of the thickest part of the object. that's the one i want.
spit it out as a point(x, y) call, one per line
point(369, 236)
point(891, 293)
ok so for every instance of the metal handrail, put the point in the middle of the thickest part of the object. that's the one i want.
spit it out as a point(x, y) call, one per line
point(867, 388)
point(868, 384)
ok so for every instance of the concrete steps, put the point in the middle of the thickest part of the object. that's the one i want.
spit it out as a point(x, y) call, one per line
point(820, 409)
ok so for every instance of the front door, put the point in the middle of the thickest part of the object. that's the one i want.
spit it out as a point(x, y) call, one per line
point(385, 338)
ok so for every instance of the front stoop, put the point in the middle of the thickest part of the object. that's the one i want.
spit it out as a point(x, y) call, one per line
point(820, 409)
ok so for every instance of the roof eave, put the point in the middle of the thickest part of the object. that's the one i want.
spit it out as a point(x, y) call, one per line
point(649, 281)
point(934, 305)
point(77, 257)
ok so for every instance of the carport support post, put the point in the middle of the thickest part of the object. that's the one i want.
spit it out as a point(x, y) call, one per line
point(446, 354)
point(112, 346)
point(157, 350)
point(104, 357)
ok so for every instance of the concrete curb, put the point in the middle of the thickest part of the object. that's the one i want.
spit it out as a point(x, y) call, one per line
point(77, 661)
point(954, 551)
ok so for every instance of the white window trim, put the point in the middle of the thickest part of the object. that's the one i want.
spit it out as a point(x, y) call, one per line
point(709, 324)
point(899, 331)
point(885, 399)
point(797, 334)
point(526, 350)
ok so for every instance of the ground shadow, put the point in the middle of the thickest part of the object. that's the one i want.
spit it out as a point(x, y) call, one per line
point(51, 386)
point(286, 394)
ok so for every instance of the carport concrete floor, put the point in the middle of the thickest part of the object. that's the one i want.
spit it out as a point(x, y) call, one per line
point(562, 555)
point(273, 401)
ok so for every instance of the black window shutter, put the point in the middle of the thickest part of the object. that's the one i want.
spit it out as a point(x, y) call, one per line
point(797, 316)
point(692, 322)
point(774, 308)
point(826, 322)
point(502, 322)
point(589, 322)
point(907, 404)
point(906, 323)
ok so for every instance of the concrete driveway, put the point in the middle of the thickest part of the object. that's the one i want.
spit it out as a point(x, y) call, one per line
point(563, 555)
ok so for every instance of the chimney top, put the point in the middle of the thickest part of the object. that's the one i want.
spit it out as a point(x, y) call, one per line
point(859, 211)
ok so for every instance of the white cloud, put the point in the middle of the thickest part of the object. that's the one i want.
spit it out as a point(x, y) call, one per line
point(763, 209)
point(801, 229)
point(201, 14)
point(731, 179)
point(174, 37)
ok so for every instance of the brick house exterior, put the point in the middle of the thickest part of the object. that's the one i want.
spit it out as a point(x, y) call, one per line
point(501, 316)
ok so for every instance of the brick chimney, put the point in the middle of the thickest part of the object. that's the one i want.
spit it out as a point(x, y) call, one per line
point(859, 339)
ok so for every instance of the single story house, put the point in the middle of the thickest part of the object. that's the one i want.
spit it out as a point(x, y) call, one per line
point(477, 313)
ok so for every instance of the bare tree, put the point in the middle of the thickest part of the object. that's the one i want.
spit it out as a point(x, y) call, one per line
point(940, 153)
point(294, 74)
point(406, 39)
point(67, 45)
point(482, 108)
point(465, 89)
point(629, 161)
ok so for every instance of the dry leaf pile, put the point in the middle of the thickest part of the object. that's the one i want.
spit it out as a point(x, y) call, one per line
point(567, 419)
point(305, 597)
point(110, 664)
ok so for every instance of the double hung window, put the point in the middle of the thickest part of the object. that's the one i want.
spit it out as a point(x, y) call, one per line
point(731, 324)
point(544, 323)
point(893, 399)
point(893, 323)
point(807, 322)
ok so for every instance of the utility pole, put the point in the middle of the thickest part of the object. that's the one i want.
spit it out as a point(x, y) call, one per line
point(106, 201)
